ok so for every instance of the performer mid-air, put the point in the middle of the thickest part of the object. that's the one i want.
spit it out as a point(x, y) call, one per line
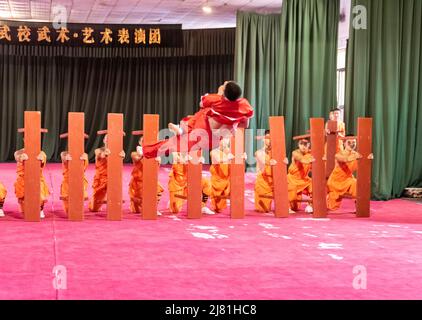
point(219, 114)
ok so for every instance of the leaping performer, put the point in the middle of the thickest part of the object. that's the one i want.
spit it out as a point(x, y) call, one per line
point(219, 114)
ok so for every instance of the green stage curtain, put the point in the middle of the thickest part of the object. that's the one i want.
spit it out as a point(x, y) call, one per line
point(287, 63)
point(384, 81)
point(97, 81)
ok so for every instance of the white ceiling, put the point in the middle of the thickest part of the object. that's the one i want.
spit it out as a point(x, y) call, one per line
point(187, 12)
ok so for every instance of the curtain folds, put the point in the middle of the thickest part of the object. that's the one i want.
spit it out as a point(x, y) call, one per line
point(101, 81)
point(384, 81)
point(287, 63)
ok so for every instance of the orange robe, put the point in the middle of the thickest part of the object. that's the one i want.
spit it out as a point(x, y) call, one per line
point(178, 187)
point(220, 184)
point(298, 181)
point(264, 187)
point(341, 182)
point(99, 185)
point(20, 182)
point(3, 193)
point(135, 186)
point(64, 188)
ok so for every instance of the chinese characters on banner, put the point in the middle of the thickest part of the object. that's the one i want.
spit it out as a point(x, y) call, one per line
point(15, 32)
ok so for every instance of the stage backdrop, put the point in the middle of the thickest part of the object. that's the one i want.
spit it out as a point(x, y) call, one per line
point(384, 81)
point(56, 80)
point(287, 63)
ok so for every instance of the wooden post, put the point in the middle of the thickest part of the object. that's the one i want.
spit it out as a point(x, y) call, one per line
point(332, 143)
point(364, 170)
point(76, 149)
point(32, 178)
point(278, 153)
point(237, 176)
point(150, 173)
point(319, 192)
point(194, 189)
point(114, 166)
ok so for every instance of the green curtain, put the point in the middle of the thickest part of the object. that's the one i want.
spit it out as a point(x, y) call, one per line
point(384, 81)
point(287, 63)
point(97, 81)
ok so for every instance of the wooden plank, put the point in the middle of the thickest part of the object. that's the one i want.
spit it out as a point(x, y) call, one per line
point(76, 142)
point(32, 177)
point(319, 193)
point(364, 171)
point(332, 142)
point(114, 166)
point(194, 189)
point(237, 176)
point(278, 152)
point(150, 173)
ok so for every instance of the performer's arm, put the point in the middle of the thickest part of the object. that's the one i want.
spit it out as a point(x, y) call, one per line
point(65, 156)
point(340, 157)
point(20, 156)
point(298, 156)
point(136, 157)
point(102, 153)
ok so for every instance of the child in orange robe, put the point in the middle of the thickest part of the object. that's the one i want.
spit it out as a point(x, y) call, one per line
point(178, 185)
point(3, 194)
point(298, 179)
point(100, 179)
point(136, 181)
point(64, 188)
point(220, 175)
point(21, 157)
point(341, 181)
point(264, 184)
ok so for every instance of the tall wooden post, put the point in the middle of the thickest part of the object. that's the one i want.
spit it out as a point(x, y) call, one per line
point(114, 166)
point(278, 153)
point(150, 173)
point(76, 148)
point(319, 192)
point(194, 189)
point(332, 143)
point(364, 170)
point(237, 176)
point(32, 178)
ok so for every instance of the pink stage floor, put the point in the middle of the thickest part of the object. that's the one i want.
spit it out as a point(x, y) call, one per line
point(259, 257)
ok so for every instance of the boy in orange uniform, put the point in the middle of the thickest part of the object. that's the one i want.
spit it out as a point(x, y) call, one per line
point(264, 184)
point(100, 179)
point(64, 188)
point(136, 181)
point(341, 180)
point(178, 185)
point(298, 179)
point(3, 194)
point(21, 157)
point(220, 175)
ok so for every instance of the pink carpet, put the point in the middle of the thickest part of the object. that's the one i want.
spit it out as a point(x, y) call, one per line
point(260, 257)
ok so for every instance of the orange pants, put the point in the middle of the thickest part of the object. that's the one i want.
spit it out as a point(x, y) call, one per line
point(296, 189)
point(20, 191)
point(3, 193)
point(176, 203)
point(135, 194)
point(263, 192)
point(337, 189)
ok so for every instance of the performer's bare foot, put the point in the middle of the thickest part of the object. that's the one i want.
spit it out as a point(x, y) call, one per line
point(291, 211)
point(175, 129)
point(1, 213)
point(42, 215)
point(207, 211)
point(159, 213)
point(309, 209)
